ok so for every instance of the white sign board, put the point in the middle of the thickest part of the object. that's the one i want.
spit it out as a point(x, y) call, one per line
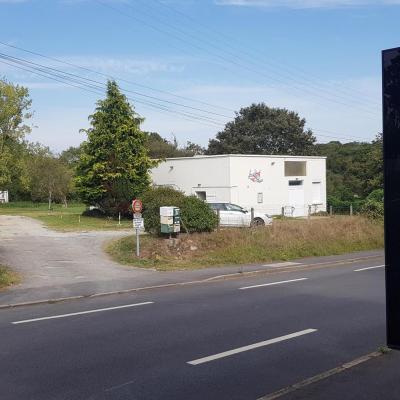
point(4, 196)
point(167, 211)
point(138, 223)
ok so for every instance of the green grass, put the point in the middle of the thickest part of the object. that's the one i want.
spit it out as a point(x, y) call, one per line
point(7, 277)
point(62, 218)
point(284, 240)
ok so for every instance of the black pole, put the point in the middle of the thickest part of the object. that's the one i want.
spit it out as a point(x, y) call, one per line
point(391, 156)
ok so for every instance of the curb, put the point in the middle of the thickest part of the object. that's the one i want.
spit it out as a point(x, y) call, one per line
point(235, 275)
point(322, 376)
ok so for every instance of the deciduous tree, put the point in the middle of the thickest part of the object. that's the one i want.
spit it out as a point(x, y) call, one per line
point(50, 178)
point(14, 111)
point(259, 129)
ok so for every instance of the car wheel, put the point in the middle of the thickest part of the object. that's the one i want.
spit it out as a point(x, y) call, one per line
point(258, 222)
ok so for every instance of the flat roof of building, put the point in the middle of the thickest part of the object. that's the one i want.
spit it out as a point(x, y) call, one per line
point(243, 155)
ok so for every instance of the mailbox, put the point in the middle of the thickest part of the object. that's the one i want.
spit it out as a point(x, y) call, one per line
point(170, 219)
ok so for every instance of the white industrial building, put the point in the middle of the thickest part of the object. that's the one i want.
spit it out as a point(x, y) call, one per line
point(269, 184)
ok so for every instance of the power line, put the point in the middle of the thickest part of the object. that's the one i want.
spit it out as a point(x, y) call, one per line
point(79, 79)
point(97, 87)
point(100, 91)
point(140, 94)
point(228, 40)
point(220, 56)
point(114, 77)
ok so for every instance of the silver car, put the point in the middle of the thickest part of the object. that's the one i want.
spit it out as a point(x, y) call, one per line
point(234, 215)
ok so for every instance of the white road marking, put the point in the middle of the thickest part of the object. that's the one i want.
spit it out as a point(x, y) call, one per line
point(273, 283)
point(251, 347)
point(282, 264)
point(81, 313)
point(365, 269)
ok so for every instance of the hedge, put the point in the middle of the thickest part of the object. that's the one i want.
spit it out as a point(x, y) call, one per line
point(196, 215)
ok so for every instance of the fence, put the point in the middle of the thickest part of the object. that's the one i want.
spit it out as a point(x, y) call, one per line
point(254, 215)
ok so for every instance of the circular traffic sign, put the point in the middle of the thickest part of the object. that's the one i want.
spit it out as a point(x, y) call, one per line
point(137, 206)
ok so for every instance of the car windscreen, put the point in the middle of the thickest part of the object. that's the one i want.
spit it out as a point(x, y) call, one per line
point(217, 206)
point(234, 207)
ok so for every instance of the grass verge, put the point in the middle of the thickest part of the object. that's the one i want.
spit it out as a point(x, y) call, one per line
point(284, 240)
point(7, 277)
point(60, 218)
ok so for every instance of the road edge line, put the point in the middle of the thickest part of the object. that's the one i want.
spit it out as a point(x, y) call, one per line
point(301, 267)
point(321, 376)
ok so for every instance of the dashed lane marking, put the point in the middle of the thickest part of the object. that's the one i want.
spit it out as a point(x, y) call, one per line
point(273, 283)
point(80, 313)
point(250, 347)
point(367, 268)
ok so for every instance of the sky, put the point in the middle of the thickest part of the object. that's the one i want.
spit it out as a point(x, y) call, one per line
point(187, 66)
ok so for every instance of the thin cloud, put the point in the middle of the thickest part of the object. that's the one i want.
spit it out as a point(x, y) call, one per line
point(107, 65)
point(12, 1)
point(304, 4)
point(125, 65)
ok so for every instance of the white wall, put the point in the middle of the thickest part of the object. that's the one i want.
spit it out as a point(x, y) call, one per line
point(226, 178)
point(275, 185)
point(196, 174)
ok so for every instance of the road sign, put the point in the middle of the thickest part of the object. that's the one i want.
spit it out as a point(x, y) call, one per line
point(137, 206)
point(137, 215)
point(138, 223)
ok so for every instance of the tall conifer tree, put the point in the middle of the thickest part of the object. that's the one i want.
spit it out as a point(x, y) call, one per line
point(114, 165)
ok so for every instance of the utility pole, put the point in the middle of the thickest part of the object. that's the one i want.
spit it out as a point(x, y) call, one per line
point(391, 158)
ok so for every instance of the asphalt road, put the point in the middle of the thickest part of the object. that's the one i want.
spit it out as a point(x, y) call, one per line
point(218, 340)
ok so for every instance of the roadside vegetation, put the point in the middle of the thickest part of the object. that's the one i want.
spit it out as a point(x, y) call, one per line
point(7, 277)
point(62, 218)
point(196, 215)
point(284, 240)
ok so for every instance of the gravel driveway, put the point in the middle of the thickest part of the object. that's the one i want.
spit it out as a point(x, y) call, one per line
point(47, 258)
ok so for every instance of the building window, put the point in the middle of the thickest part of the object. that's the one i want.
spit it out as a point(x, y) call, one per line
point(202, 195)
point(316, 192)
point(260, 198)
point(295, 183)
point(295, 168)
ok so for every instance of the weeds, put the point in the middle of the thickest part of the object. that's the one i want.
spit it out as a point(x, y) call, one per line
point(7, 277)
point(284, 240)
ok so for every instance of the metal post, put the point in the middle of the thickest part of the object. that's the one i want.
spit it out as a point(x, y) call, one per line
point(137, 243)
point(351, 210)
point(309, 212)
point(331, 211)
point(283, 211)
point(251, 216)
point(391, 157)
point(119, 218)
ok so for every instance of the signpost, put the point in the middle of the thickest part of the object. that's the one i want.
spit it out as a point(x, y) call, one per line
point(138, 222)
point(391, 157)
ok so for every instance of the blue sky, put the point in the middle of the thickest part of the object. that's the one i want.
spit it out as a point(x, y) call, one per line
point(320, 58)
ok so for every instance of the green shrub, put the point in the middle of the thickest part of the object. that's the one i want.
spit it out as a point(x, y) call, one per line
point(373, 209)
point(376, 195)
point(373, 206)
point(343, 206)
point(155, 198)
point(196, 215)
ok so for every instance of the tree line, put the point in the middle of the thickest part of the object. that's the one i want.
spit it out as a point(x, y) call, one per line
point(112, 165)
